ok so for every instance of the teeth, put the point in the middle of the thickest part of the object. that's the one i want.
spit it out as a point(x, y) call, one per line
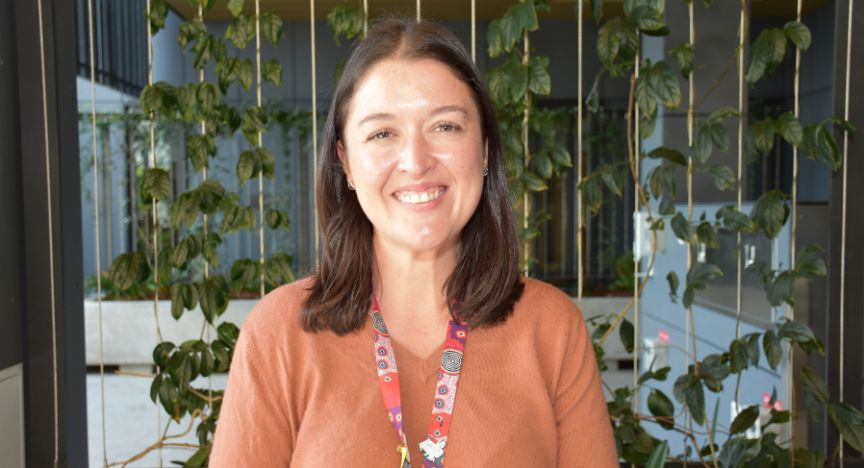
point(414, 198)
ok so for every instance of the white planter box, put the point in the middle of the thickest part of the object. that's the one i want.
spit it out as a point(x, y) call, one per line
point(129, 328)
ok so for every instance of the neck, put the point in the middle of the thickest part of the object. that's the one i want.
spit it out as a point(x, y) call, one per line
point(411, 286)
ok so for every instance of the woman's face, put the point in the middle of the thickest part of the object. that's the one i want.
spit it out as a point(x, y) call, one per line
point(412, 147)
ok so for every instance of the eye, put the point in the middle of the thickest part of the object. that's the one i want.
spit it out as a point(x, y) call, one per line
point(448, 127)
point(379, 134)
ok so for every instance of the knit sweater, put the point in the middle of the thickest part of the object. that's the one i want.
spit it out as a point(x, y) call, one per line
point(529, 393)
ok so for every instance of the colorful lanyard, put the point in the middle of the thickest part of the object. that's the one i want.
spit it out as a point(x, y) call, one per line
point(445, 390)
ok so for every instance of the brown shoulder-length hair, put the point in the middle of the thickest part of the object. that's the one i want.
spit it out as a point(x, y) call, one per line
point(486, 281)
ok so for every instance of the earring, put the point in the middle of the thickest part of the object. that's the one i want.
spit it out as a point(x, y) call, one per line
point(350, 187)
point(485, 171)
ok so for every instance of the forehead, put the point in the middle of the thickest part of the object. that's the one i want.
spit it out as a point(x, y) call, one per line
point(396, 84)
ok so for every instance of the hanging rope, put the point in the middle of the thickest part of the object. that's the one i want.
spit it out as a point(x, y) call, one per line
point(418, 11)
point(742, 34)
point(526, 196)
point(260, 144)
point(637, 230)
point(314, 126)
point(97, 229)
point(474, 31)
point(50, 214)
point(790, 375)
point(580, 221)
point(366, 17)
point(155, 222)
point(843, 215)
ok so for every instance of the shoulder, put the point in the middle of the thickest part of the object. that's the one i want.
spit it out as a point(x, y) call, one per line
point(278, 313)
point(546, 305)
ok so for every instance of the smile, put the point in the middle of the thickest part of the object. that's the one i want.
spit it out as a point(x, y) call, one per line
point(416, 198)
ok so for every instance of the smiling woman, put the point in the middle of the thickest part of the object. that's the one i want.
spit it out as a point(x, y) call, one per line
point(419, 252)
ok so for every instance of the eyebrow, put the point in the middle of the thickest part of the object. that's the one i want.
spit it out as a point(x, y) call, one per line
point(437, 111)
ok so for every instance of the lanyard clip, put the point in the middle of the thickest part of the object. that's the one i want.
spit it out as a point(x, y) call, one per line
point(406, 458)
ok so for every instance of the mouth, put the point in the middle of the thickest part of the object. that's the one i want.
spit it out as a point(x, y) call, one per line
point(419, 197)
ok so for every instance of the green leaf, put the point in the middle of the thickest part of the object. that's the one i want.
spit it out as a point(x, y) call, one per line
point(271, 71)
point(252, 123)
point(737, 451)
point(176, 301)
point(213, 296)
point(345, 20)
point(665, 85)
point(538, 76)
point(609, 40)
point(814, 384)
point(770, 213)
point(159, 97)
point(597, 10)
point(689, 392)
point(155, 183)
point(210, 194)
point(246, 167)
point(208, 96)
point(658, 455)
point(669, 154)
point(706, 234)
point(523, 16)
point(797, 332)
point(244, 74)
point(244, 274)
point(662, 180)
point(235, 7)
point(798, 34)
point(199, 458)
point(809, 262)
point(241, 31)
point(646, 97)
point(744, 420)
point(199, 148)
point(818, 143)
point(659, 374)
point(722, 113)
point(724, 178)
point(184, 209)
point(646, 18)
point(277, 269)
point(191, 31)
point(849, 421)
point(128, 269)
point(713, 370)
point(682, 228)
point(533, 183)
point(772, 348)
point(158, 13)
point(626, 332)
point(265, 161)
point(733, 219)
point(683, 54)
point(789, 128)
point(672, 279)
point(662, 408)
point(698, 279)
point(781, 289)
point(765, 54)
point(271, 27)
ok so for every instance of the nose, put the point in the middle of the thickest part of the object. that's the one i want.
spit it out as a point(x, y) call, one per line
point(415, 156)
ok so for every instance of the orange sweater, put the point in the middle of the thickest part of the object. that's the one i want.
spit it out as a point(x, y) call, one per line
point(529, 393)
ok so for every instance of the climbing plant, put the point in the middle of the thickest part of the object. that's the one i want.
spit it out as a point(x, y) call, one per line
point(656, 87)
point(195, 223)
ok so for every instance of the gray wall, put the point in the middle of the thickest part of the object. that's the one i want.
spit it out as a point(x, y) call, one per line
point(12, 267)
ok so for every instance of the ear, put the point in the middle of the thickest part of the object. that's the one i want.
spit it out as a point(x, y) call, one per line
point(343, 158)
point(486, 153)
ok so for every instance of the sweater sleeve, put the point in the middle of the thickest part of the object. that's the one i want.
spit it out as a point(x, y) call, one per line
point(254, 427)
point(584, 430)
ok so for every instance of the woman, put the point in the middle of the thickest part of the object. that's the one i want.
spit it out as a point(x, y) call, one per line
point(419, 261)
